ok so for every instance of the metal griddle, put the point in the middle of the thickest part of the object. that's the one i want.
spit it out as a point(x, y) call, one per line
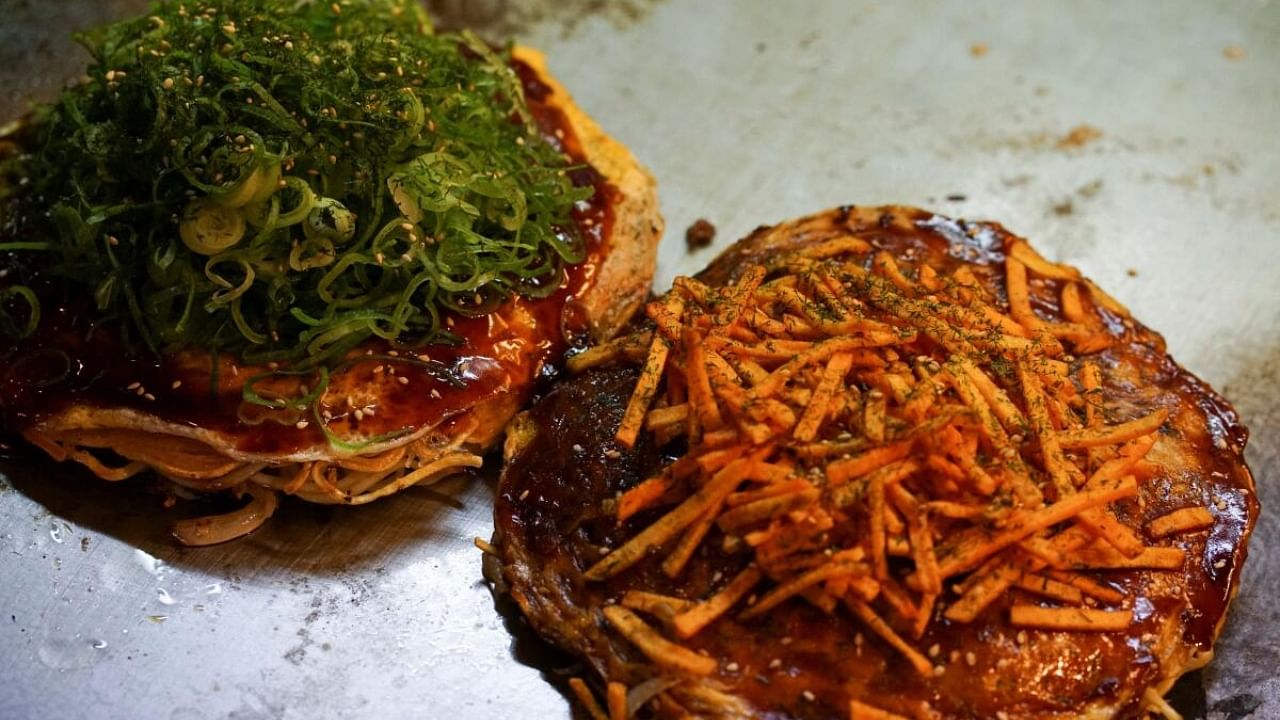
point(748, 113)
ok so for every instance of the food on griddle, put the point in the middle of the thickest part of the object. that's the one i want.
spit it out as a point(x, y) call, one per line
point(323, 252)
point(700, 234)
point(877, 463)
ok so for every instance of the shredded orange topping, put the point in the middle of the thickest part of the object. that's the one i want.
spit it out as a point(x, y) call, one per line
point(886, 441)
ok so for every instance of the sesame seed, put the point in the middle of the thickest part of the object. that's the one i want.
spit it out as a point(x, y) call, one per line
point(1022, 637)
point(577, 448)
point(1220, 564)
point(134, 386)
point(775, 663)
point(612, 454)
point(435, 394)
point(955, 656)
point(524, 494)
point(403, 380)
point(149, 396)
point(301, 424)
point(359, 414)
point(934, 650)
point(176, 384)
point(808, 696)
point(731, 667)
point(939, 670)
point(970, 659)
point(786, 640)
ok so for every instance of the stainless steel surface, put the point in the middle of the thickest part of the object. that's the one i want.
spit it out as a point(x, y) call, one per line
point(747, 113)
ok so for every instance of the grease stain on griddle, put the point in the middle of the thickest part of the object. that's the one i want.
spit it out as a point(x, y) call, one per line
point(1067, 206)
point(1075, 141)
point(1078, 137)
point(500, 20)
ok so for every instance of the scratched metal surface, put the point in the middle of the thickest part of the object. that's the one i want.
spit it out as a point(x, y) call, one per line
point(747, 113)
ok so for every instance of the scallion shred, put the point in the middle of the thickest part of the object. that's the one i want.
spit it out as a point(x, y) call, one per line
point(285, 183)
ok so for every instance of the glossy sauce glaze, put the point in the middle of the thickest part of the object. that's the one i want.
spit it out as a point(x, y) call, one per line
point(74, 359)
point(554, 521)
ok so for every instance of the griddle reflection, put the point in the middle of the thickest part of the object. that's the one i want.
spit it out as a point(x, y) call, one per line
point(304, 538)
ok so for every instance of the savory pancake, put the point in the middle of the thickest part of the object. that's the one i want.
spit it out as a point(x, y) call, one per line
point(878, 463)
point(335, 423)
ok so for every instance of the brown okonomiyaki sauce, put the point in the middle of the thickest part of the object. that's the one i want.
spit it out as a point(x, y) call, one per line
point(73, 358)
point(554, 514)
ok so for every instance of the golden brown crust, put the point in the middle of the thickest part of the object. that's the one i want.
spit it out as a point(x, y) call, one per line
point(577, 470)
point(624, 281)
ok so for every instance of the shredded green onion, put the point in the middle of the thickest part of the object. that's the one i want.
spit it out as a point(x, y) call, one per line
point(15, 324)
point(285, 184)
